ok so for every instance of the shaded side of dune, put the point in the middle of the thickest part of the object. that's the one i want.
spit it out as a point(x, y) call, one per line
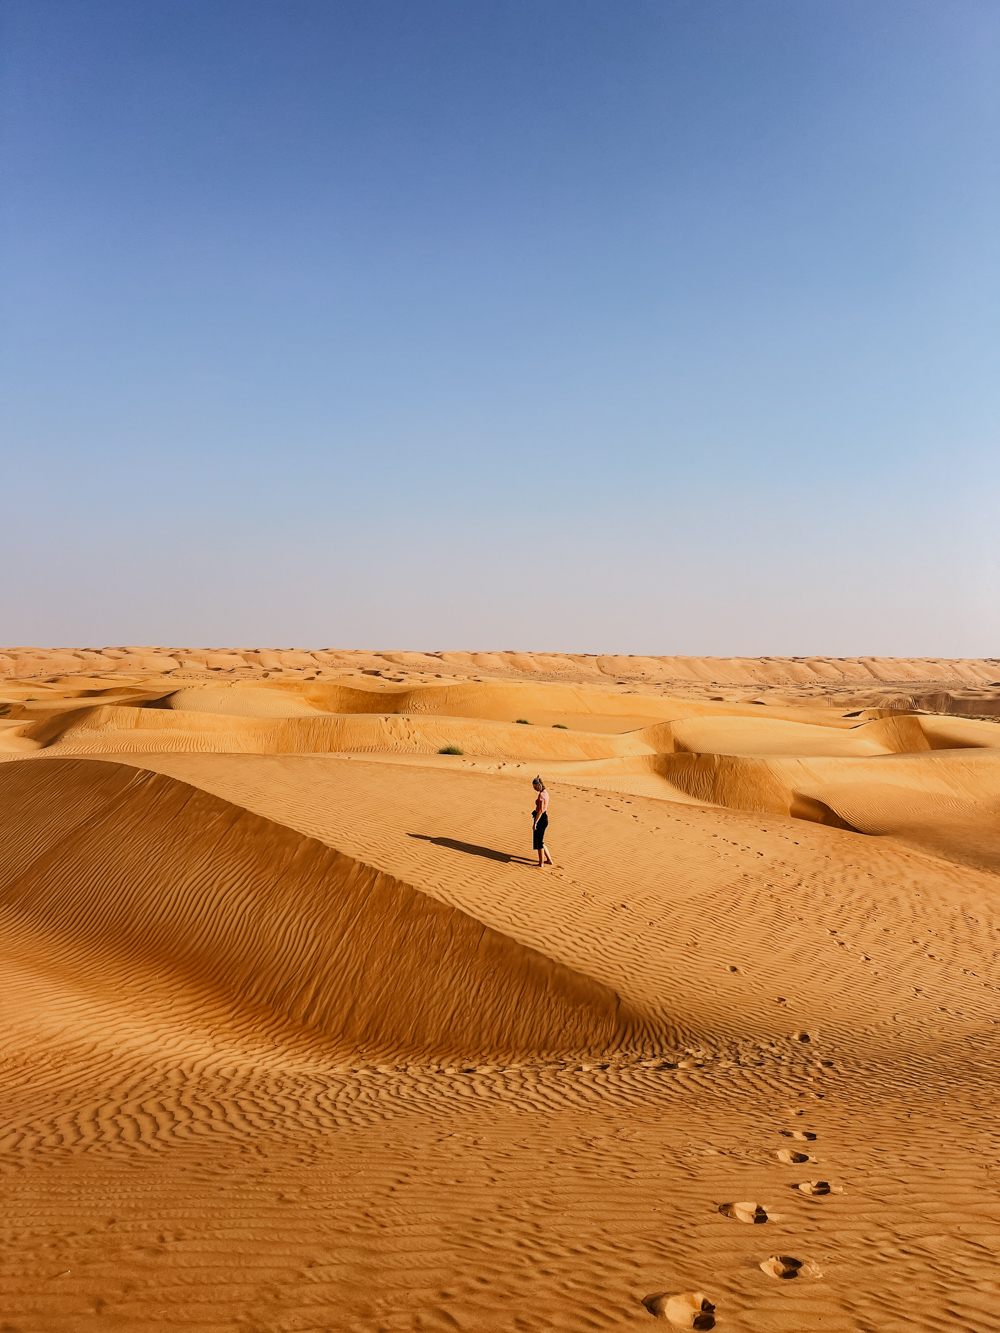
point(945, 802)
point(121, 872)
point(970, 704)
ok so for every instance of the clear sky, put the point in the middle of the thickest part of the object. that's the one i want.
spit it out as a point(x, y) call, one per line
point(645, 326)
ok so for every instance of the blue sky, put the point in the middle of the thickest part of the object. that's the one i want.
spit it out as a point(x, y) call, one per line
point(624, 326)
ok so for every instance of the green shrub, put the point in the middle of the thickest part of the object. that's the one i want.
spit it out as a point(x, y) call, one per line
point(559, 726)
point(451, 749)
point(522, 722)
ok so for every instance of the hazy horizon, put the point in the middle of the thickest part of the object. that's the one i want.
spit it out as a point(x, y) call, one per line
point(652, 328)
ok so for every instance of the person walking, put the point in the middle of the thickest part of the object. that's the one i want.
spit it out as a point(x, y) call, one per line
point(540, 822)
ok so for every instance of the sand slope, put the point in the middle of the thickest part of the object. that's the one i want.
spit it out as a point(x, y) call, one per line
point(153, 875)
point(313, 1044)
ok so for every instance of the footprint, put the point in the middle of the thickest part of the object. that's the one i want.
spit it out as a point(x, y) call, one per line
point(691, 1309)
point(784, 1266)
point(797, 1134)
point(744, 1212)
point(817, 1187)
point(790, 1156)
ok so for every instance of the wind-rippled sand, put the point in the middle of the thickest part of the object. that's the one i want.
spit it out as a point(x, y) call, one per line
point(297, 1037)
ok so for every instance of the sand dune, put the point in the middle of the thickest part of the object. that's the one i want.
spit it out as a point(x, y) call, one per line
point(33, 662)
point(315, 1044)
point(776, 758)
point(948, 824)
point(158, 875)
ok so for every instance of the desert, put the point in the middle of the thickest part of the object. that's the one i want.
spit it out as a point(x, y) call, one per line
point(298, 1036)
point(602, 933)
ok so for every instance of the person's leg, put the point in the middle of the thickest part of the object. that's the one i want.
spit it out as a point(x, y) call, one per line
point(548, 858)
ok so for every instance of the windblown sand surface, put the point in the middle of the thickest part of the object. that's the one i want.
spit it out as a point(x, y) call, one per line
point(297, 1037)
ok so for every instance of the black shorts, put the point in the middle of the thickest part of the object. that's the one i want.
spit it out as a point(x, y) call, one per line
point(538, 835)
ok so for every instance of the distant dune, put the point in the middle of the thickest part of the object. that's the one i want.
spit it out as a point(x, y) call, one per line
point(973, 671)
point(314, 1043)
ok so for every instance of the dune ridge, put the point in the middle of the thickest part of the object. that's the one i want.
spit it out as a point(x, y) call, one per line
point(29, 662)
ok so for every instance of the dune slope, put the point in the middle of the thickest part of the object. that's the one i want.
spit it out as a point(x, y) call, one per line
point(132, 872)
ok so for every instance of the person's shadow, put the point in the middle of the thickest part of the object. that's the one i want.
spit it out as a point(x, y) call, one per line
point(471, 849)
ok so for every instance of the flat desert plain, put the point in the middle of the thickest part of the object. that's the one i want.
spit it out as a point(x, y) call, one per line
point(297, 1036)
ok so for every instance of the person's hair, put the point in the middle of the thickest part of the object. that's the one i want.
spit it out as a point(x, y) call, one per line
point(537, 782)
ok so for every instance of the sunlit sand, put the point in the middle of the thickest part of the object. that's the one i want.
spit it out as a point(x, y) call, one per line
point(297, 1035)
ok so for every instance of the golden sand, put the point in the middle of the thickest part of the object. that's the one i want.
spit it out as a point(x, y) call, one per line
point(297, 1036)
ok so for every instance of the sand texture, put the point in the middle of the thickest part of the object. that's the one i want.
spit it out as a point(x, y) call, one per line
point(297, 1036)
